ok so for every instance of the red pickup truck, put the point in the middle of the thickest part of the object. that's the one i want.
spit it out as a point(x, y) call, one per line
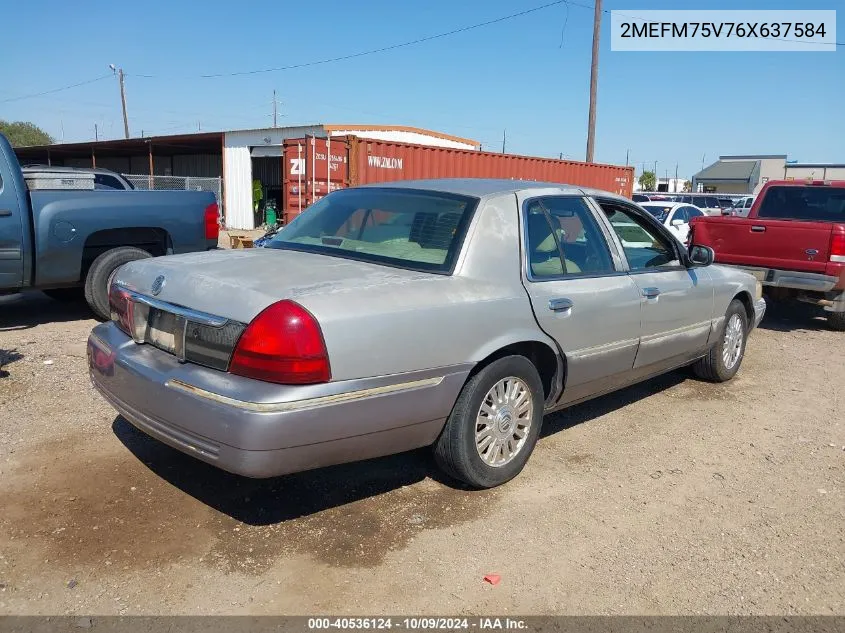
point(793, 241)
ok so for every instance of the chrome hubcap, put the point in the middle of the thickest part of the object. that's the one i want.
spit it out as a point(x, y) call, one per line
point(732, 348)
point(503, 421)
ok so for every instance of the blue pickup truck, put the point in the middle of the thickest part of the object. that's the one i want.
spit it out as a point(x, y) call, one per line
point(68, 243)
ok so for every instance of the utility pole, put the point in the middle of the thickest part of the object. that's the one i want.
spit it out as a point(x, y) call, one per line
point(96, 133)
point(594, 80)
point(274, 109)
point(504, 140)
point(676, 177)
point(119, 72)
point(627, 152)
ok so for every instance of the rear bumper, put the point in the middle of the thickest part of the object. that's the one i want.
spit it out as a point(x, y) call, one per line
point(261, 430)
point(778, 278)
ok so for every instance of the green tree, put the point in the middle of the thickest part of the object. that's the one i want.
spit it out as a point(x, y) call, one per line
point(647, 181)
point(23, 133)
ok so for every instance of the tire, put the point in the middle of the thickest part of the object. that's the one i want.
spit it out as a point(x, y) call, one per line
point(66, 295)
point(97, 280)
point(836, 321)
point(455, 450)
point(720, 364)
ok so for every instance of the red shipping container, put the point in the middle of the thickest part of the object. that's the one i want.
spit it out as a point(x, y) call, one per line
point(355, 161)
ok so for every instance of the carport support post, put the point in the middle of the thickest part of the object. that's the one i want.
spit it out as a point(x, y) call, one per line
point(93, 158)
point(150, 154)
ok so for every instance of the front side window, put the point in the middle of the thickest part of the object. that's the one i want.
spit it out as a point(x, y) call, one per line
point(645, 247)
point(420, 230)
point(563, 238)
point(692, 212)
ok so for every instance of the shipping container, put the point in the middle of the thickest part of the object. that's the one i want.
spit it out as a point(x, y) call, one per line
point(315, 166)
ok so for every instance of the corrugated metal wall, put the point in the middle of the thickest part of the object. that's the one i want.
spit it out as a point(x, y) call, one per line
point(237, 170)
point(268, 171)
point(207, 165)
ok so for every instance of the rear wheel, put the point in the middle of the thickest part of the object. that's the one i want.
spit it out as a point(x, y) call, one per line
point(100, 274)
point(494, 424)
point(836, 321)
point(723, 361)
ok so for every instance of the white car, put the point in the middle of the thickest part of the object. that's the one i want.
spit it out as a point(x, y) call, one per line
point(742, 206)
point(675, 216)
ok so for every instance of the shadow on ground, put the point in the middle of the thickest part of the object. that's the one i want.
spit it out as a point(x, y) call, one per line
point(29, 309)
point(269, 501)
point(789, 317)
point(7, 357)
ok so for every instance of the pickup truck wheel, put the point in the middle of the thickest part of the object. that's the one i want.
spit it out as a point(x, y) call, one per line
point(97, 280)
point(494, 424)
point(836, 321)
point(725, 357)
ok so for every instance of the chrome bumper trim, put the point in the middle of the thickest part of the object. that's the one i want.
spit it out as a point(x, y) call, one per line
point(308, 403)
point(203, 318)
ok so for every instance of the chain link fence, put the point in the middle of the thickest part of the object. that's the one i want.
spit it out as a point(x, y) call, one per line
point(189, 183)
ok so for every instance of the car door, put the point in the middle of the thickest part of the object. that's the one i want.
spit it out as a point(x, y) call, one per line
point(11, 230)
point(579, 291)
point(677, 302)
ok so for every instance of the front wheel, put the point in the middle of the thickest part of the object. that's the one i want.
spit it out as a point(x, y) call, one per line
point(725, 357)
point(494, 424)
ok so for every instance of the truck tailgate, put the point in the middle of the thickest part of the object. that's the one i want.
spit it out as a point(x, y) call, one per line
point(784, 244)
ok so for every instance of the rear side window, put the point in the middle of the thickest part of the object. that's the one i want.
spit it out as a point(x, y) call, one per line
point(824, 204)
point(564, 239)
point(107, 182)
point(421, 230)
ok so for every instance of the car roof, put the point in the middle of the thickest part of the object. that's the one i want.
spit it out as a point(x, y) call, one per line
point(482, 187)
point(63, 169)
point(664, 203)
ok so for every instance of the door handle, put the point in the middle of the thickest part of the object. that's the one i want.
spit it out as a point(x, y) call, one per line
point(651, 293)
point(560, 305)
point(758, 229)
point(5, 213)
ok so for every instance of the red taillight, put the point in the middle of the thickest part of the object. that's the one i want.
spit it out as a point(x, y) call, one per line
point(837, 244)
point(212, 222)
point(121, 309)
point(283, 344)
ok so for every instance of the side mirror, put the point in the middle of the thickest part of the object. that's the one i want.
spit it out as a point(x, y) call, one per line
point(700, 256)
point(677, 222)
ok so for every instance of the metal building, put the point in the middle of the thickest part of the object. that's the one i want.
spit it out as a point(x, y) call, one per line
point(237, 164)
point(747, 174)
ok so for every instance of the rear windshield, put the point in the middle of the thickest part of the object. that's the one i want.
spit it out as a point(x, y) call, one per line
point(659, 212)
point(420, 230)
point(825, 204)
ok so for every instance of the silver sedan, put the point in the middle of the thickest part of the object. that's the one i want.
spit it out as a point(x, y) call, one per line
point(445, 313)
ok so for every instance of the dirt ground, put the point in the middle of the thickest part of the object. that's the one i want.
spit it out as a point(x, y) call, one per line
point(675, 496)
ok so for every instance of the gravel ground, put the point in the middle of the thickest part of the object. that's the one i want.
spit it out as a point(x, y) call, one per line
point(671, 497)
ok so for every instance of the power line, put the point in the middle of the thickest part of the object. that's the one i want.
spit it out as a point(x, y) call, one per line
point(54, 90)
point(383, 49)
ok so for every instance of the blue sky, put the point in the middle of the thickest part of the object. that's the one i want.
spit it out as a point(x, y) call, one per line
point(529, 75)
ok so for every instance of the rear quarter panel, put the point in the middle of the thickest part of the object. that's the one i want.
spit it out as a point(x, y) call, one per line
point(435, 320)
point(64, 220)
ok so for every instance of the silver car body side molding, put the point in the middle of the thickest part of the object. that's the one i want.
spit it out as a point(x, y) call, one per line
point(308, 403)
